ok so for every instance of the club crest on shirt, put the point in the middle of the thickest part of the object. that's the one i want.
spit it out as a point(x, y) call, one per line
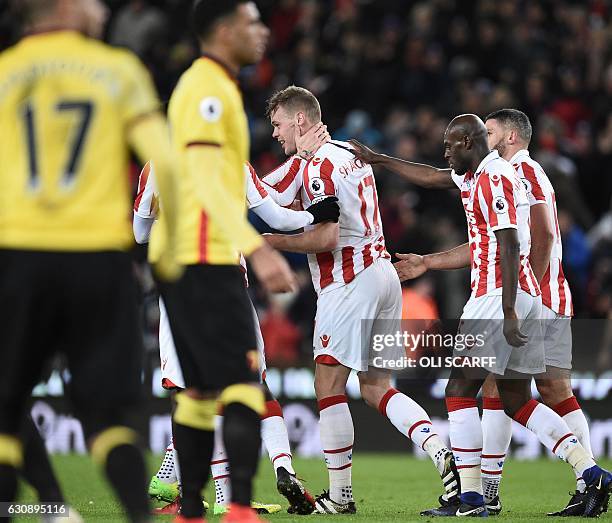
point(500, 205)
point(211, 108)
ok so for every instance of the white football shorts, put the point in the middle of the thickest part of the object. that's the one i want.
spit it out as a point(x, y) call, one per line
point(349, 317)
point(483, 318)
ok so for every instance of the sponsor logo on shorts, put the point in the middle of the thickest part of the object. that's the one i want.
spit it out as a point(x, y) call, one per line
point(325, 340)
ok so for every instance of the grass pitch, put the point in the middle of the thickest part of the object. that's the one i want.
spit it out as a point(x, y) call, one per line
point(387, 487)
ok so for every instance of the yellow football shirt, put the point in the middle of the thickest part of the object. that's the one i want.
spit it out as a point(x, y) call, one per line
point(211, 144)
point(66, 104)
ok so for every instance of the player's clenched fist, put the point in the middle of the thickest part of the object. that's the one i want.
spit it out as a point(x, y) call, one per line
point(272, 270)
point(327, 210)
point(410, 266)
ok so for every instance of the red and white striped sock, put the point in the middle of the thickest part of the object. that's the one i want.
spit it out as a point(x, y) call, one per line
point(465, 435)
point(412, 421)
point(219, 467)
point(496, 436)
point(554, 434)
point(337, 436)
point(167, 469)
point(572, 414)
point(275, 437)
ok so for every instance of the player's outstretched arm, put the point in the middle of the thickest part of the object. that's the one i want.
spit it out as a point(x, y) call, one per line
point(412, 266)
point(417, 173)
point(322, 238)
point(509, 252)
point(542, 239)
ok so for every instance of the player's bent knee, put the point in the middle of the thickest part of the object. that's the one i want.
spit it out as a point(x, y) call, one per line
point(109, 439)
point(195, 413)
point(249, 395)
point(11, 451)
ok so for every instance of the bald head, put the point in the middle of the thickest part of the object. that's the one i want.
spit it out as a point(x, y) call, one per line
point(85, 16)
point(468, 125)
point(465, 142)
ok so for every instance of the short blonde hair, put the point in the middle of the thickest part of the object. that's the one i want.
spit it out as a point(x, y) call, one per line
point(294, 98)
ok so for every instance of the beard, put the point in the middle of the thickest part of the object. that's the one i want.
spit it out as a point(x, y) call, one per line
point(500, 147)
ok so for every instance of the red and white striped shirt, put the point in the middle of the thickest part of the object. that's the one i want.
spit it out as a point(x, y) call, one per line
point(556, 294)
point(334, 171)
point(494, 199)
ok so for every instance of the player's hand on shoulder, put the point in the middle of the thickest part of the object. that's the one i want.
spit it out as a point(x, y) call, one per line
point(409, 266)
point(167, 268)
point(512, 332)
point(272, 270)
point(327, 210)
point(309, 142)
point(365, 154)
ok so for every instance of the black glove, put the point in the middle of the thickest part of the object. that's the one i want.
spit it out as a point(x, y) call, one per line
point(326, 210)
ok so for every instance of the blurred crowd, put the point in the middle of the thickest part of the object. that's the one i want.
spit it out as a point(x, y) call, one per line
point(391, 73)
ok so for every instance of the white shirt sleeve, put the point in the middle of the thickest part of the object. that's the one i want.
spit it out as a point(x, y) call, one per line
point(280, 218)
point(142, 228)
point(146, 202)
point(256, 192)
point(145, 205)
point(283, 184)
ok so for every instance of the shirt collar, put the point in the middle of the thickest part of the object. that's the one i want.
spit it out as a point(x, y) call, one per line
point(52, 31)
point(223, 66)
point(522, 152)
point(489, 157)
